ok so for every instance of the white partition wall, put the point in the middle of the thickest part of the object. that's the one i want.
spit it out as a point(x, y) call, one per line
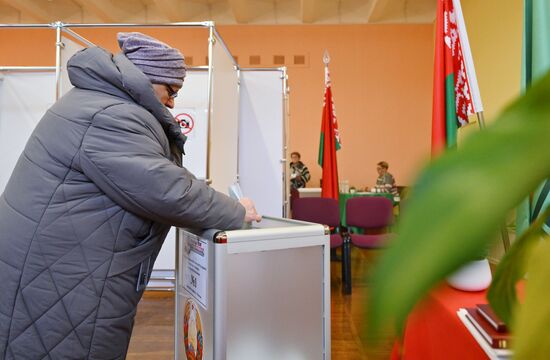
point(262, 139)
point(24, 98)
point(191, 108)
point(25, 95)
point(224, 117)
point(69, 48)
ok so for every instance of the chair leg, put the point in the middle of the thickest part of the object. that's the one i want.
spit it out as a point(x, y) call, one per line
point(346, 266)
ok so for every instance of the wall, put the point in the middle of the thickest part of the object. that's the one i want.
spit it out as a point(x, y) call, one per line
point(381, 76)
point(495, 31)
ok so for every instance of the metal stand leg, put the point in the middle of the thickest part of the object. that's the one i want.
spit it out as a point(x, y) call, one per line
point(333, 255)
point(346, 265)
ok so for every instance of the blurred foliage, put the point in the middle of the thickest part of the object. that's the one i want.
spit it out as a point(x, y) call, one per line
point(531, 325)
point(512, 268)
point(455, 209)
point(524, 259)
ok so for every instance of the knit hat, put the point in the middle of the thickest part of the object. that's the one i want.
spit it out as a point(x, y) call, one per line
point(161, 63)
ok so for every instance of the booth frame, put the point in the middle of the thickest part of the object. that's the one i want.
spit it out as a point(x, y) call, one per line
point(61, 28)
point(213, 37)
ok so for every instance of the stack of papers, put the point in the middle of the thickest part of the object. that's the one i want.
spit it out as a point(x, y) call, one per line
point(482, 338)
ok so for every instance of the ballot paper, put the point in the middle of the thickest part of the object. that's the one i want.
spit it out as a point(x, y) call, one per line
point(235, 191)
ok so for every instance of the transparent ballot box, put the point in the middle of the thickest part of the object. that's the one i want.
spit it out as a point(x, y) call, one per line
point(257, 293)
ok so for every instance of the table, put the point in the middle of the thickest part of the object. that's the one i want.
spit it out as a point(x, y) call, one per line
point(434, 331)
point(344, 197)
point(309, 192)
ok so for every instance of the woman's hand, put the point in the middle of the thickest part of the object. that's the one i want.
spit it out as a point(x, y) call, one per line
point(251, 213)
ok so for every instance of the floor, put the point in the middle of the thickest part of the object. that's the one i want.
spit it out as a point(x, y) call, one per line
point(153, 335)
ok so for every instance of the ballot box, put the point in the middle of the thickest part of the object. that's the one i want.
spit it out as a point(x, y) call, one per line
point(256, 293)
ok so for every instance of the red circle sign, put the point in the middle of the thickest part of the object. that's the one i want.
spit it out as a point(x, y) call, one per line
point(186, 121)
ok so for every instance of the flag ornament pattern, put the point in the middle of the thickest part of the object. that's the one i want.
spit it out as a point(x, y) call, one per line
point(463, 97)
point(456, 93)
point(329, 142)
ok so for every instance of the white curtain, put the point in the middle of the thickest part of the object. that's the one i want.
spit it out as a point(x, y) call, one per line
point(69, 49)
point(24, 98)
point(261, 140)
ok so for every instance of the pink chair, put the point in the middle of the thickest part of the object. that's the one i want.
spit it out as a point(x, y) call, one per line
point(321, 211)
point(294, 194)
point(374, 215)
point(327, 212)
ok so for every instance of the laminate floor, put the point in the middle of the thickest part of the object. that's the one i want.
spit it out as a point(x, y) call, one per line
point(153, 335)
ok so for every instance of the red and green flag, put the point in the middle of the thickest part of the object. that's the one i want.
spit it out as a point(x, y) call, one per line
point(456, 93)
point(330, 142)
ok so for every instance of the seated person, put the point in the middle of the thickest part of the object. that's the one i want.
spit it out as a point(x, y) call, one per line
point(299, 173)
point(385, 181)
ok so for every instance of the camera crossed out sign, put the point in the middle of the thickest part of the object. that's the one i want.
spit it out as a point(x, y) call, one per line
point(186, 122)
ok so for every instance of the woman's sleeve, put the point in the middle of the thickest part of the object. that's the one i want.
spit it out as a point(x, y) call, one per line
point(122, 156)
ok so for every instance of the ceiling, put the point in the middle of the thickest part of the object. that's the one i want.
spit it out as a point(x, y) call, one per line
point(268, 12)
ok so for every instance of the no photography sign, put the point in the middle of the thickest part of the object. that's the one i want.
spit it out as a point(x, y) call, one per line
point(186, 121)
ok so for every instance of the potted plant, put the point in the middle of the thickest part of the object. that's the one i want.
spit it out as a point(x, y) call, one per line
point(457, 206)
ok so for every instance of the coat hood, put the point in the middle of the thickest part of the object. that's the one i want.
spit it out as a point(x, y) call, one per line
point(96, 69)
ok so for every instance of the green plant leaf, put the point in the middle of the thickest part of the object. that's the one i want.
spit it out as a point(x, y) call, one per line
point(458, 205)
point(511, 269)
point(532, 328)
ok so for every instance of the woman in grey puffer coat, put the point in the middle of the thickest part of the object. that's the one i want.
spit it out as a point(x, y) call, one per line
point(88, 207)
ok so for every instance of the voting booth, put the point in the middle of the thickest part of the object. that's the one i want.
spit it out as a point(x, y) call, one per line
point(257, 293)
point(235, 120)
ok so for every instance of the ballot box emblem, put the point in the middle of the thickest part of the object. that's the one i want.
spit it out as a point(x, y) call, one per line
point(192, 331)
point(186, 122)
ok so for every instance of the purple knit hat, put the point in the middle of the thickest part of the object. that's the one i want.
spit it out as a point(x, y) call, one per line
point(161, 63)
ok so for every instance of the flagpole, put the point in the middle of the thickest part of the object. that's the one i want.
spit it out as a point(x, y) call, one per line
point(480, 120)
point(503, 229)
point(346, 246)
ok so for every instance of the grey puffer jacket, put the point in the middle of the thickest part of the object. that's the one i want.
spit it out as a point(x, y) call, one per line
point(86, 210)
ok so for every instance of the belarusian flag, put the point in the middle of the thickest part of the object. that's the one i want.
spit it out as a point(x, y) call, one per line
point(536, 63)
point(330, 142)
point(456, 94)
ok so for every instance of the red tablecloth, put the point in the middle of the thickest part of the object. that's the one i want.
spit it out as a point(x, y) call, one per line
point(434, 331)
